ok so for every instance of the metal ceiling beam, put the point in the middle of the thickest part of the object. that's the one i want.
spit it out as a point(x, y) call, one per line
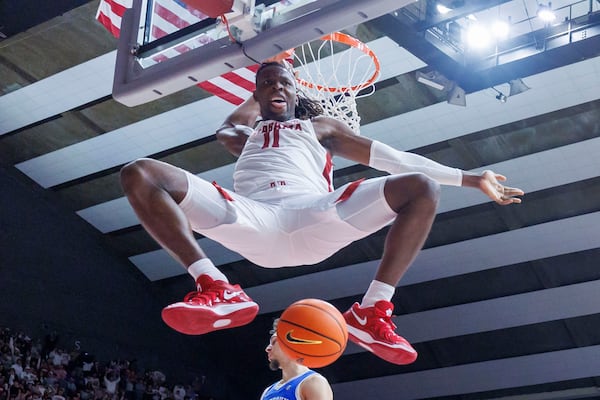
point(527, 55)
point(468, 7)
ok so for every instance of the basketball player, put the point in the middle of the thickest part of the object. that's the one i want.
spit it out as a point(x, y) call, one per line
point(284, 211)
point(297, 381)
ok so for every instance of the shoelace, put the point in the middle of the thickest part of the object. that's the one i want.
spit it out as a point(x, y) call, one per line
point(207, 297)
point(388, 328)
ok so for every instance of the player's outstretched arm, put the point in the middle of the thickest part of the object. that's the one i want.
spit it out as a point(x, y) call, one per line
point(236, 128)
point(385, 158)
point(340, 140)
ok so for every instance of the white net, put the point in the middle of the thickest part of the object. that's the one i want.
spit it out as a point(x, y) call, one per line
point(337, 70)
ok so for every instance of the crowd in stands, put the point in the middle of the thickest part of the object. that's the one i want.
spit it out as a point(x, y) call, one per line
point(39, 370)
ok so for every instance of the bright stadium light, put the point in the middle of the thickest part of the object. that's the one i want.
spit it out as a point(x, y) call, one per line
point(545, 12)
point(500, 30)
point(442, 9)
point(478, 37)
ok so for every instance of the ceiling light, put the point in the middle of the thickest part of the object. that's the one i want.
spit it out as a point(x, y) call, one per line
point(500, 30)
point(433, 79)
point(501, 97)
point(442, 9)
point(517, 86)
point(478, 37)
point(545, 12)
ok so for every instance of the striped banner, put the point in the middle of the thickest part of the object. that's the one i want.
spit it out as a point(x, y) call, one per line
point(110, 12)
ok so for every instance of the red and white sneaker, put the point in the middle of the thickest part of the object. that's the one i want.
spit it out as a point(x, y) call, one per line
point(373, 329)
point(216, 305)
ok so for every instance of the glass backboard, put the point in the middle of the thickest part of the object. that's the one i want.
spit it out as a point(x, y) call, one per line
point(166, 46)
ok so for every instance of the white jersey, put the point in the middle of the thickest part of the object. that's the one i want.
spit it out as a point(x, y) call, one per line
point(282, 158)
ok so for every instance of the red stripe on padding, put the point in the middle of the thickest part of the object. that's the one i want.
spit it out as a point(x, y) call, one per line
point(223, 192)
point(349, 190)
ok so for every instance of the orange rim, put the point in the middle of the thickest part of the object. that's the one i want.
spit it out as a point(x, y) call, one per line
point(357, 44)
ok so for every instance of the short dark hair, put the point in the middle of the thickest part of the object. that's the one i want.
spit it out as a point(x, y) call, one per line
point(274, 328)
point(271, 64)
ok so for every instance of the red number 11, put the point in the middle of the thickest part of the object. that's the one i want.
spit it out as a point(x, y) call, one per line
point(267, 135)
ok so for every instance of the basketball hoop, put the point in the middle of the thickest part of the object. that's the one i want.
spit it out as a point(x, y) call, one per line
point(337, 71)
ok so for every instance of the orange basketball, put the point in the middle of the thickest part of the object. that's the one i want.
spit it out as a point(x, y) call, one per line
point(313, 332)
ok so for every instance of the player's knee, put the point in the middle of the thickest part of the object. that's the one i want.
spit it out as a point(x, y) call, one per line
point(416, 189)
point(133, 173)
point(427, 188)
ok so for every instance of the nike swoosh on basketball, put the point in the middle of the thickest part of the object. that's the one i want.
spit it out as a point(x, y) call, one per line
point(227, 295)
point(362, 321)
point(292, 339)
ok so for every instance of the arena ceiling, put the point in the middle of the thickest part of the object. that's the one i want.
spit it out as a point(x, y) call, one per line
point(503, 302)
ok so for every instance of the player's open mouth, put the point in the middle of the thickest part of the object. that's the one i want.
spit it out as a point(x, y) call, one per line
point(278, 103)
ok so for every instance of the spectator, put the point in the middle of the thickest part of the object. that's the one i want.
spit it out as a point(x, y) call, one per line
point(179, 392)
point(59, 394)
point(25, 374)
point(111, 380)
point(18, 367)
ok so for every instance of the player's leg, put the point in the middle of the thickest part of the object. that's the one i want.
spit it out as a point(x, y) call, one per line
point(406, 202)
point(156, 191)
point(410, 201)
point(414, 198)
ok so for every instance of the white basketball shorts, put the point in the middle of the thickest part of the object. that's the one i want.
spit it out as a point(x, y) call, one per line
point(290, 231)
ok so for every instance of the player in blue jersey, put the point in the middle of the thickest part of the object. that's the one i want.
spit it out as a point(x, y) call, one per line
point(297, 381)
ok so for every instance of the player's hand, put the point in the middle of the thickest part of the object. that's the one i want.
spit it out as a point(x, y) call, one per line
point(503, 195)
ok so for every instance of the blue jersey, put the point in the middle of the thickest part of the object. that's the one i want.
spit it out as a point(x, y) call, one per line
point(287, 390)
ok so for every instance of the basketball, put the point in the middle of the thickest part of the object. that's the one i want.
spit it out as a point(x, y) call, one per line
point(313, 332)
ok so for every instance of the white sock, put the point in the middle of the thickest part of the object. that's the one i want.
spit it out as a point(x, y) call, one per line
point(377, 291)
point(205, 266)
